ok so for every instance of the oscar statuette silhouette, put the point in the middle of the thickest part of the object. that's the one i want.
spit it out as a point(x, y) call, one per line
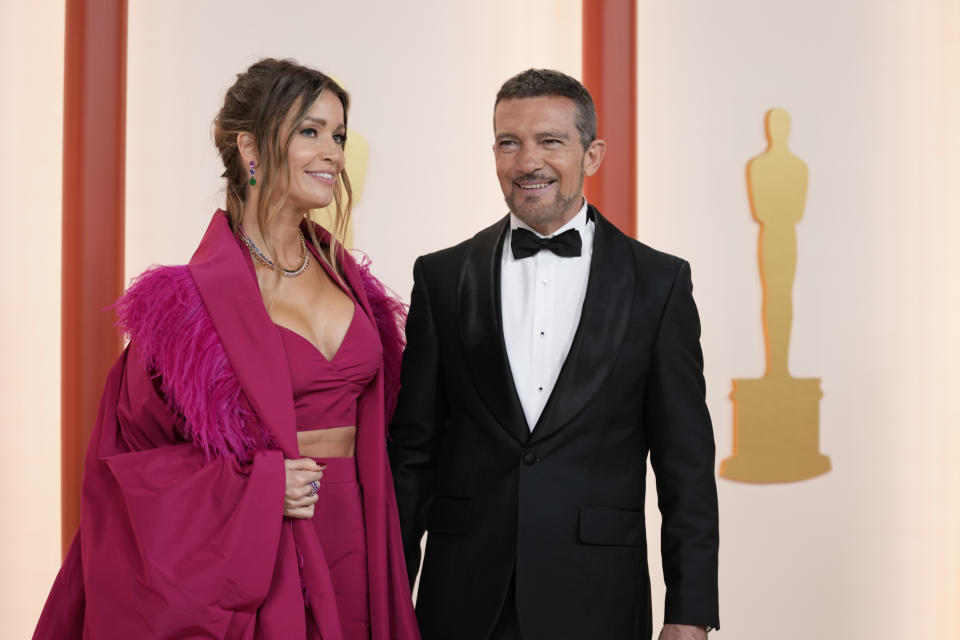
point(776, 418)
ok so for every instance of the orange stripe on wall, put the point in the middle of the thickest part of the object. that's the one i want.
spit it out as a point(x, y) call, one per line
point(94, 124)
point(610, 74)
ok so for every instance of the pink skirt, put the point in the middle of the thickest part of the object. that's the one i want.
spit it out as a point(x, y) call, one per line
point(338, 518)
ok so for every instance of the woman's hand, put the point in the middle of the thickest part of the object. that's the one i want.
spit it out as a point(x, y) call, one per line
point(300, 496)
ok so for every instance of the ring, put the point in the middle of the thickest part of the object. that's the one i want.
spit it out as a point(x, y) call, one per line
point(314, 487)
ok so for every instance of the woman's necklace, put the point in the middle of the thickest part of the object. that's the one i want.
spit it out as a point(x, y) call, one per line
point(255, 252)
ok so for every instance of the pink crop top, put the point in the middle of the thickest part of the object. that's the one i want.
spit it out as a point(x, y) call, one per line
point(325, 392)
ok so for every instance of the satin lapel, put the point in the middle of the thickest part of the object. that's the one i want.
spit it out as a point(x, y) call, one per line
point(352, 275)
point(603, 323)
point(350, 268)
point(227, 282)
point(481, 330)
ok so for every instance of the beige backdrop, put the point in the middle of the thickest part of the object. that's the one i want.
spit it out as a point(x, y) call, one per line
point(872, 549)
point(31, 130)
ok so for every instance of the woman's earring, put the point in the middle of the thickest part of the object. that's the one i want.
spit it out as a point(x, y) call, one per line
point(253, 181)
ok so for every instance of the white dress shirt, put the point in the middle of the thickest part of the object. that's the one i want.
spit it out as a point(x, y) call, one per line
point(541, 298)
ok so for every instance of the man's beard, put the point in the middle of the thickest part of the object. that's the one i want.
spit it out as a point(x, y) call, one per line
point(538, 215)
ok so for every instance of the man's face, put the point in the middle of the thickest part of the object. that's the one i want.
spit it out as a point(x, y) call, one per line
point(540, 161)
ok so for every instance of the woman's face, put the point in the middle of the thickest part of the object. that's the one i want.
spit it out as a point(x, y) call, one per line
point(315, 156)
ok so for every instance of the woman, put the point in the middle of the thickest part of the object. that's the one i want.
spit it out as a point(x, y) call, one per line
point(222, 484)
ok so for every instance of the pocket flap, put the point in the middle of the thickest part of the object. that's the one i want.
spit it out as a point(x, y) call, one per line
point(449, 515)
point(612, 526)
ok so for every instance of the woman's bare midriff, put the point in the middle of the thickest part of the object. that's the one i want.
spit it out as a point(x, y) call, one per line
point(335, 442)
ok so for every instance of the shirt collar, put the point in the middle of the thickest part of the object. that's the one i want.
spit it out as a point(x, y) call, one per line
point(578, 222)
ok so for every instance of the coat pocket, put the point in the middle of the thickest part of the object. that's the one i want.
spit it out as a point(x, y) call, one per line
point(612, 527)
point(449, 515)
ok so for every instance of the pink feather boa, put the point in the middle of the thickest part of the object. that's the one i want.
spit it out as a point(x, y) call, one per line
point(163, 315)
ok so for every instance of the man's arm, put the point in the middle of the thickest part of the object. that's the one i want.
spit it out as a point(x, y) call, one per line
point(682, 454)
point(417, 423)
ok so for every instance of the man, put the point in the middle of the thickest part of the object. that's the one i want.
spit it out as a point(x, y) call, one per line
point(535, 382)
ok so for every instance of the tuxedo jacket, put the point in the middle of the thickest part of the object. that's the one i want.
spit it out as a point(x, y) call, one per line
point(560, 507)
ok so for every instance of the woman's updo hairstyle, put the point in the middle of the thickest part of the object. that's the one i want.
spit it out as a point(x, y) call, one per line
point(258, 103)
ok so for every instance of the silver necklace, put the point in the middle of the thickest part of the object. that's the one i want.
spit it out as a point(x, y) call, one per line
point(289, 273)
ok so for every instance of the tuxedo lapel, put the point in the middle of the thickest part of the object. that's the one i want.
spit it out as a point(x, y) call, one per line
point(481, 330)
point(603, 323)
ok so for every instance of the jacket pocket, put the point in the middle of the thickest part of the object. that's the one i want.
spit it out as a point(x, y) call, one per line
point(449, 515)
point(612, 527)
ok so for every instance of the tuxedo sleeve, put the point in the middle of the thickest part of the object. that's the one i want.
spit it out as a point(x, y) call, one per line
point(418, 421)
point(682, 453)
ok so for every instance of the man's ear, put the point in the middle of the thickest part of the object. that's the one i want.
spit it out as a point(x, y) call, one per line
point(247, 147)
point(594, 156)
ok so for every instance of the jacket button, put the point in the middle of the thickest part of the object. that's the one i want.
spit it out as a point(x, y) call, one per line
point(529, 458)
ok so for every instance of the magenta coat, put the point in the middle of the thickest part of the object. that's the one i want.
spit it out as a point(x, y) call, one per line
point(182, 531)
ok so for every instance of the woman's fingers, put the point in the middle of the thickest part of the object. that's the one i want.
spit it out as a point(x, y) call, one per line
point(305, 464)
point(305, 501)
point(300, 472)
point(298, 482)
point(303, 480)
point(302, 477)
point(306, 477)
point(299, 512)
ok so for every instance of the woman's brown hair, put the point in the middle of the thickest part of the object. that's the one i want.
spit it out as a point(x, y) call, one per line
point(258, 103)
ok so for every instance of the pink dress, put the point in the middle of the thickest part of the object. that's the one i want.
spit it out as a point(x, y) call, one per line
point(325, 395)
point(182, 533)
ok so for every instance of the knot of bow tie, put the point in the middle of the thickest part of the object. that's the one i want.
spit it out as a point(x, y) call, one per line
point(525, 243)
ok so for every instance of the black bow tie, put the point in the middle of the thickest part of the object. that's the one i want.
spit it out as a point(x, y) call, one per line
point(525, 243)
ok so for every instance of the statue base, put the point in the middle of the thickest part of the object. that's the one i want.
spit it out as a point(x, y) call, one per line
point(776, 430)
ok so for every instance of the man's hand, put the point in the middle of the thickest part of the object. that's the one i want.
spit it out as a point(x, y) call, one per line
point(682, 632)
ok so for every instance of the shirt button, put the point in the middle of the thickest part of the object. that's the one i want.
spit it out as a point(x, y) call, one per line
point(544, 283)
point(541, 333)
point(539, 388)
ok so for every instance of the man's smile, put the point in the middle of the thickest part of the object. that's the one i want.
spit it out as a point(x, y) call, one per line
point(536, 185)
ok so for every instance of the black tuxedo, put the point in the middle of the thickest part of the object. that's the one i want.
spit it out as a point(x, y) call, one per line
point(561, 508)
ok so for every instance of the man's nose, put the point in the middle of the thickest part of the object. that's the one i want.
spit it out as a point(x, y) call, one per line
point(529, 159)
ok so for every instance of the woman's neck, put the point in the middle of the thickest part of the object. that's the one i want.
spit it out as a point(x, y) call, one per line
point(282, 243)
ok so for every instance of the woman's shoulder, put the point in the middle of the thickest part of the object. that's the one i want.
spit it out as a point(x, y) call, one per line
point(160, 295)
point(163, 314)
point(159, 283)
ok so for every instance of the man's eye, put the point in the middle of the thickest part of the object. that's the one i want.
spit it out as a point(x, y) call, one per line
point(506, 144)
point(552, 141)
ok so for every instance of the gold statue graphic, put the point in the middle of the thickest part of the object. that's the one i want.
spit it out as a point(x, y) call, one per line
point(776, 418)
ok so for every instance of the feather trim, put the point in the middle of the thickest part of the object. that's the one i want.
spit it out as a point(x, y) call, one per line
point(163, 314)
point(390, 314)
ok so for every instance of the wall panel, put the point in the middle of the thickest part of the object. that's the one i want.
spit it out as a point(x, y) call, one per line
point(31, 118)
point(871, 549)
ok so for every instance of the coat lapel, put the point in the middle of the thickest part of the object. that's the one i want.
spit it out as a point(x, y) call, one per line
point(603, 323)
point(348, 267)
point(227, 282)
point(481, 330)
